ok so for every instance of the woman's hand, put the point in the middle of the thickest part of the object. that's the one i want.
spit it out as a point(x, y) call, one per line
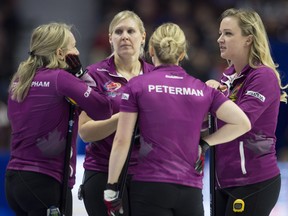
point(216, 85)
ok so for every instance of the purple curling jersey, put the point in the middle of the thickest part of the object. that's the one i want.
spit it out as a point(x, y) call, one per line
point(171, 105)
point(39, 123)
point(112, 85)
point(251, 158)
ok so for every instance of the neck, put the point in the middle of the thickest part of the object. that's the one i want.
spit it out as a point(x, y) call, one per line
point(240, 62)
point(128, 69)
point(239, 66)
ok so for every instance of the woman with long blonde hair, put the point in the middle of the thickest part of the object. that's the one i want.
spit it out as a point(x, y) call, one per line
point(38, 110)
point(248, 177)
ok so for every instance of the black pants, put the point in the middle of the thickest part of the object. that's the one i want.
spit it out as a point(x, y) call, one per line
point(31, 193)
point(261, 198)
point(93, 194)
point(164, 199)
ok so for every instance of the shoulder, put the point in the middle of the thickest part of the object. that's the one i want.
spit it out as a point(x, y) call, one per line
point(262, 74)
point(101, 67)
point(263, 70)
point(262, 81)
point(55, 73)
point(140, 81)
point(147, 67)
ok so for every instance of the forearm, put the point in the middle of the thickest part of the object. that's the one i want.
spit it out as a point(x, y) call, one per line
point(97, 130)
point(121, 145)
point(116, 162)
point(225, 134)
point(237, 123)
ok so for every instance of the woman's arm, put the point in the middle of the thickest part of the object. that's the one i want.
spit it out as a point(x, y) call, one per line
point(237, 123)
point(121, 144)
point(91, 130)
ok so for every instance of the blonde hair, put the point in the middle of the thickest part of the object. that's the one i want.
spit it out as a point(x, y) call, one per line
point(250, 23)
point(126, 14)
point(44, 42)
point(169, 42)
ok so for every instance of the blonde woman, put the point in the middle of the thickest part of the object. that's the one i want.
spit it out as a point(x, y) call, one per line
point(246, 168)
point(171, 106)
point(38, 111)
point(127, 37)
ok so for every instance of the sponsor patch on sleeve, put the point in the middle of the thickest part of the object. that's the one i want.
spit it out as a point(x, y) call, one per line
point(125, 96)
point(256, 95)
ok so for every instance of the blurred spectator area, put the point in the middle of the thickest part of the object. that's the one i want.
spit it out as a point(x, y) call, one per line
point(9, 28)
point(4, 128)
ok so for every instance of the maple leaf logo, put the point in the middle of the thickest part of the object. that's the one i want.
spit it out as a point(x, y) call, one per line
point(52, 144)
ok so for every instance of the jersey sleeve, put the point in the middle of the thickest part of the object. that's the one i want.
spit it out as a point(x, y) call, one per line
point(94, 103)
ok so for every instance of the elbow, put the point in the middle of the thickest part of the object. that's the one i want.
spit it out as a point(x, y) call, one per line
point(88, 134)
point(84, 135)
point(247, 125)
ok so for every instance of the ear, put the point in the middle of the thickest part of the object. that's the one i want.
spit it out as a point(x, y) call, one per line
point(181, 57)
point(249, 40)
point(60, 54)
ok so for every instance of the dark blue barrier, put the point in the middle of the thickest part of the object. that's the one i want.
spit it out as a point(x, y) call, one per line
point(80, 146)
point(4, 208)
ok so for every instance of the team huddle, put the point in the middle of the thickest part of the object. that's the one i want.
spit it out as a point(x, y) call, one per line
point(143, 123)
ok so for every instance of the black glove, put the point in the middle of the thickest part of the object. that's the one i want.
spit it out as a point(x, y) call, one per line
point(112, 201)
point(75, 66)
point(203, 147)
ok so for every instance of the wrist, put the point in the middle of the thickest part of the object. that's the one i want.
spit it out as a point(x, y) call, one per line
point(204, 145)
point(113, 186)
